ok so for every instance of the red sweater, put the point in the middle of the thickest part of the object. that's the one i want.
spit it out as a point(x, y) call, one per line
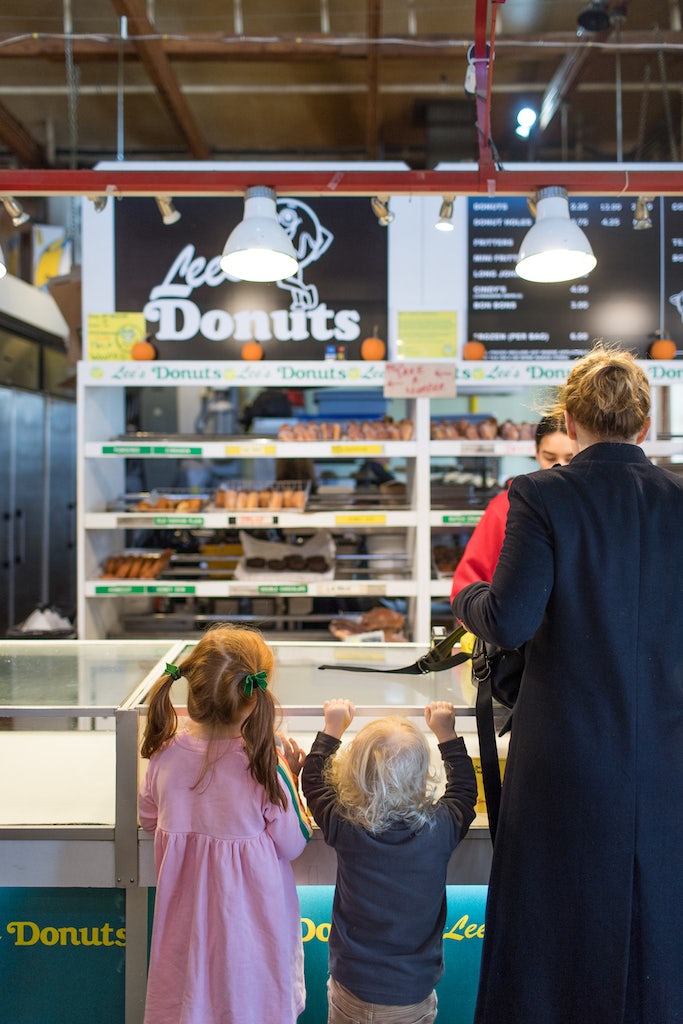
point(478, 563)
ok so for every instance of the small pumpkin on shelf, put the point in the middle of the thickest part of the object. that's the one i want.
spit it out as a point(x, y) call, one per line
point(252, 350)
point(662, 348)
point(373, 348)
point(143, 350)
point(474, 350)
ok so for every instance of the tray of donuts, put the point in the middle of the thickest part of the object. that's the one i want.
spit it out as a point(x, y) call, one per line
point(247, 495)
point(136, 564)
point(308, 562)
point(161, 501)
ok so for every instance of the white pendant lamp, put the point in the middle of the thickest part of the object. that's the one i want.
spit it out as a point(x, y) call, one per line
point(555, 248)
point(258, 249)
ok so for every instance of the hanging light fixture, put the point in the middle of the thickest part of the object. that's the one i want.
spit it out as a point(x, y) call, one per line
point(258, 249)
point(445, 221)
point(595, 18)
point(380, 208)
point(15, 210)
point(168, 212)
point(555, 248)
point(641, 214)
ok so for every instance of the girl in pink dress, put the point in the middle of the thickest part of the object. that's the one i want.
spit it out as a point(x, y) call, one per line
point(227, 821)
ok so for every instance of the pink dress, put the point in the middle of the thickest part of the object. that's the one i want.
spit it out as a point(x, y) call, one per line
point(226, 939)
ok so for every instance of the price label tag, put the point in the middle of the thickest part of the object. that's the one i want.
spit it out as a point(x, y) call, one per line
point(360, 519)
point(283, 588)
point(120, 588)
point(171, 588)
point(179, 450)
point(357, 449)
point(250, 451)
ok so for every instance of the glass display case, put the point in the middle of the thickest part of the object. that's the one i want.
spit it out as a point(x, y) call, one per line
point(76, 871)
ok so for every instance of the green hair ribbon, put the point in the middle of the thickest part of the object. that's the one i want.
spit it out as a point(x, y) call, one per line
point(259, 679)
point(173, 671)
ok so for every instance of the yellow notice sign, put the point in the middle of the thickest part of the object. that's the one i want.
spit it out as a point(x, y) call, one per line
point(112, 335)
point(427, 335)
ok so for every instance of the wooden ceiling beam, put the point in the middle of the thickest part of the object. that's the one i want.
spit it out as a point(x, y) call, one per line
point(158, 67)
point(19, 140)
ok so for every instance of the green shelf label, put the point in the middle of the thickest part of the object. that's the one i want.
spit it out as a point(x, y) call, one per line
point(126, 449)
point(174, 521)
point(283, 588)
point(171, 588)
point(462, 518)
point(176, 449)
point(120, 588)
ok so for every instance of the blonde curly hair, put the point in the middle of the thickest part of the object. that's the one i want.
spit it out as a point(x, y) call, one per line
point(383, 776)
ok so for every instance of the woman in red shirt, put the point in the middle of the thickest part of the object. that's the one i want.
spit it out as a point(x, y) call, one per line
point(553, 448)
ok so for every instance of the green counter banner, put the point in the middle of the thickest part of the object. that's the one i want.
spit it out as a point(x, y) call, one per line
point(62, 954)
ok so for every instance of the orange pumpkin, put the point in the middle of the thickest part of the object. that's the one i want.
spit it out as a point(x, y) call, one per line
point(372, 348)
point(252, 350)
point(663, 348)
point(143, 350)
point(474, 350)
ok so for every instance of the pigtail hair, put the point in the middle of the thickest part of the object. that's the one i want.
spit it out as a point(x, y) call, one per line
point(258, 733)
point(162, 720)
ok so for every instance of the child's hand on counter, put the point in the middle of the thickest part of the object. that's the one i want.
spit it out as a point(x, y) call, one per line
point(440, 717)
point(338, 716)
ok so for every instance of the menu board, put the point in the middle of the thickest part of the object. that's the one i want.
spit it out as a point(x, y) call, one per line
point(621, 301)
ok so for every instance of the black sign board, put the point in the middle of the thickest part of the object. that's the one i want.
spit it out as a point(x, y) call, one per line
point(620, 301)
point(193, 311)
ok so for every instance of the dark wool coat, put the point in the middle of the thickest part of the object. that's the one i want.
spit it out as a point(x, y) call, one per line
point(585, 912)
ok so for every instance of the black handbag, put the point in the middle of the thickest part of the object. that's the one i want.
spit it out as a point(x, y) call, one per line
point(496, 673)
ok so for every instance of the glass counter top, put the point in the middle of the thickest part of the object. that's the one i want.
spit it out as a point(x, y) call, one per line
point(73, 673)
point(301, 685)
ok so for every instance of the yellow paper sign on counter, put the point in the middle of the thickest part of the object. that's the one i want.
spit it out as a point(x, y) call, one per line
point(112, 335)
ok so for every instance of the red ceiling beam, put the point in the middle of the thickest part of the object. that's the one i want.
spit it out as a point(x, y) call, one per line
point(465, 181)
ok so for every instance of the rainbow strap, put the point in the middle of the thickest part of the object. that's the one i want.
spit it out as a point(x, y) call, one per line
point(290, 784)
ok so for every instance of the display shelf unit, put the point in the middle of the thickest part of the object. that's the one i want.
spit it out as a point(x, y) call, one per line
point(104, 450)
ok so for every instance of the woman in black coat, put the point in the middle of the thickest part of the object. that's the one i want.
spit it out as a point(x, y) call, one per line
point(584, 922)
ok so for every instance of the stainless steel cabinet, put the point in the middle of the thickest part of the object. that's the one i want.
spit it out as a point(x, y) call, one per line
point(37, 504)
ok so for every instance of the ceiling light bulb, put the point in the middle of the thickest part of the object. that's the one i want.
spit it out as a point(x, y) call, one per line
point(526, 119)
point(259, 249)
point(554, 248)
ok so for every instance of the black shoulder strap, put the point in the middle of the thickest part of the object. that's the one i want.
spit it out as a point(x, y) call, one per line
point(488, 747)
point(438, 658)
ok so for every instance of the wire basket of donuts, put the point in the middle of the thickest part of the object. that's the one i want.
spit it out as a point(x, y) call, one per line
point(247, 495)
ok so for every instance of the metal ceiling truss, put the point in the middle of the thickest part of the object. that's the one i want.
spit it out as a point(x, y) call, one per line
point(486, 178)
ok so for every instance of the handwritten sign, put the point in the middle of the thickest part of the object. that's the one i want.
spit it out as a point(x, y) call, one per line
point(419, 380)
point(112, 335)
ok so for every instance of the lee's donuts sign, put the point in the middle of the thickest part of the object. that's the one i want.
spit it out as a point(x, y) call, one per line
point(195, 311)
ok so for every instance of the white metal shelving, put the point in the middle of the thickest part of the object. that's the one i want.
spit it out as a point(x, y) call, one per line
point(103, 450)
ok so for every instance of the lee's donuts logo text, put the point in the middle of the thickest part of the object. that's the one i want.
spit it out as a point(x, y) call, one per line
point(179, 317)
point(29, 933)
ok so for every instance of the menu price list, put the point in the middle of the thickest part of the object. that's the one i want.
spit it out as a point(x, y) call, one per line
point(619, 301)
